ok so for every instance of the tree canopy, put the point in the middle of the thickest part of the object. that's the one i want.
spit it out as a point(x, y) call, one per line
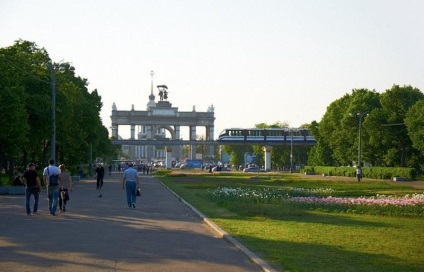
point(390, 123)
point(26, 110)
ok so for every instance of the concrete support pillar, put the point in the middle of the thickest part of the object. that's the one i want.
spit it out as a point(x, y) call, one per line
point(210, 137)
point(150, 149)
point(176, 152)
point(132, 147)
point(115, 131)
point(168, 157)
point(193, 147)
point(132, 132)
point(267, 150)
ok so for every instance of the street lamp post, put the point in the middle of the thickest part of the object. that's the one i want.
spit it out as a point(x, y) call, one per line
point(53, 83)
point(62, 68)
point(291, 151)
point(360, 116)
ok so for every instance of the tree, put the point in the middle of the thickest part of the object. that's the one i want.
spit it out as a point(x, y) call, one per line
point(384, 137)
point(25, 112)
point(320, 153)
point(395, 104)
point(337, 133)
point(14, 97)
point(414, 122)
point(237, 153)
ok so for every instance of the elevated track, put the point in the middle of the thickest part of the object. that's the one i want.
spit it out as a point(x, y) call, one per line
point(168, 142)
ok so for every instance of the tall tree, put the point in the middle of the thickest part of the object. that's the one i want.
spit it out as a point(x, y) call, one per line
point(26, 110)
point(320, 153)
point(414, 122)
point(338, 130)
point(395, 104)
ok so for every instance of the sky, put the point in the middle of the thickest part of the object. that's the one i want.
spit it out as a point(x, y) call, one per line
point(255, 61)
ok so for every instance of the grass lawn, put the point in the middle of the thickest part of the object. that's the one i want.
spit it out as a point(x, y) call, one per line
point(301, 238)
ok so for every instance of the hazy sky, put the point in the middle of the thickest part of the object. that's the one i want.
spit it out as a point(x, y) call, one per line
point(254, 61)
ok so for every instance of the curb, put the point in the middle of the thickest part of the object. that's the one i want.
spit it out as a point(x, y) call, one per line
point(224, 235)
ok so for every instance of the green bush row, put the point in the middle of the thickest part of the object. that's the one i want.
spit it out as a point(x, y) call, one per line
point(368, 172)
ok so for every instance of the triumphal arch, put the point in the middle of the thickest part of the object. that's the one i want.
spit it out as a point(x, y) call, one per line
point(160, 116)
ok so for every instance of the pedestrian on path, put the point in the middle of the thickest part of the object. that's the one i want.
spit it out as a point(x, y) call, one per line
point(33, 187)
point(359, 173)
point(100, 173)
point(53, 181)
point(131, 182)
point(65, 189)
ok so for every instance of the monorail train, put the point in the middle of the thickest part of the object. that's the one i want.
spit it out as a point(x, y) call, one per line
point(267, 135)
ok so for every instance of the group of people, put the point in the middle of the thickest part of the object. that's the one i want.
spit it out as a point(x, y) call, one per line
point(130, 182)
point(58, 182)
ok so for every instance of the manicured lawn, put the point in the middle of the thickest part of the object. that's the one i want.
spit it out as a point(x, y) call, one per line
point(295, 237)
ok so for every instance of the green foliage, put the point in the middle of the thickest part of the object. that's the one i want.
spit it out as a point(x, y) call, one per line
point(237, 153)
point(26, 111)
point(414, 122)
point(390, 123)
point(367, 172)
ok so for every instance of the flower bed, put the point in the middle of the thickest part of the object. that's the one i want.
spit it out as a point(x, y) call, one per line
point(321, 199)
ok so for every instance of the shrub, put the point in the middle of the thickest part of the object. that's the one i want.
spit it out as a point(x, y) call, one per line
point(368, 172)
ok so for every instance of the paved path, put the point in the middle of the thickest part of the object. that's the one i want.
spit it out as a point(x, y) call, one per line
point(102, 234)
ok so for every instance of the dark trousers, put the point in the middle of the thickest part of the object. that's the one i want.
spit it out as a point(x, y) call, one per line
point(99, 182)
point(28, 192)
point(62, 198)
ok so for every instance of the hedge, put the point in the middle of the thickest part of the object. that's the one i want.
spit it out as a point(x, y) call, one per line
point(368, 172)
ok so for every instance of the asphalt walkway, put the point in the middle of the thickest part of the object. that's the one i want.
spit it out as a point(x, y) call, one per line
point(102, 234)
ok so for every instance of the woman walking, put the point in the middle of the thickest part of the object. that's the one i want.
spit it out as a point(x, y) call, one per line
point(65, 189)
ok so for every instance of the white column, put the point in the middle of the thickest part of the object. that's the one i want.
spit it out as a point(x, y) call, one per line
point(132, 132)
point(115, 131)
point(176, 152)
point(168, 157)
point(193, 147)
point(267, 150)
point(210, 136)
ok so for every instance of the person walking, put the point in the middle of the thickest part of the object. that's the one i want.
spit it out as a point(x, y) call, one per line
point(131, 182)
point(65, 189)
point(359, 173)
point(110, 169)
point(53, 181)
point(100, 173)
point(33, 187)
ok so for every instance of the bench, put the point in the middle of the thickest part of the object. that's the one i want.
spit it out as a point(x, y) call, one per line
point(400, 179)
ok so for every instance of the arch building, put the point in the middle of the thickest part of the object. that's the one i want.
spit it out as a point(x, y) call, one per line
point(153, 123)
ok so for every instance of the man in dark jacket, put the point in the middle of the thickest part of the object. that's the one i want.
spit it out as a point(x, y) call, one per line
point(33, 187)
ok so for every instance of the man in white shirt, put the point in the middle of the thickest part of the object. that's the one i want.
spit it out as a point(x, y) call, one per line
point(131, 182)
point(53, 181)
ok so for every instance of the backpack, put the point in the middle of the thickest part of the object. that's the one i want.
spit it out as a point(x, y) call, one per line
point(53, 179)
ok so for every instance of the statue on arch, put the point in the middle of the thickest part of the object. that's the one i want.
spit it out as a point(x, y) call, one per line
point(163, 92)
